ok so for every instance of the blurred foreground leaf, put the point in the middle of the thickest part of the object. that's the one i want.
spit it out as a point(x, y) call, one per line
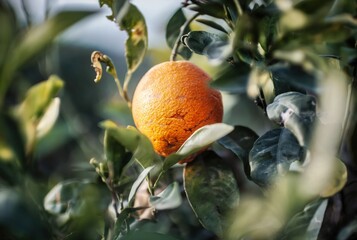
point(35, 40)
point(211, 190)
point(19, 218)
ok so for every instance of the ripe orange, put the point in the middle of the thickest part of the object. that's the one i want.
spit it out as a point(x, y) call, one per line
point(171, 101)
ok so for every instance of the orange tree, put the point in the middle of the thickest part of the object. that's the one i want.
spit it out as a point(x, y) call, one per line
point(295, 60)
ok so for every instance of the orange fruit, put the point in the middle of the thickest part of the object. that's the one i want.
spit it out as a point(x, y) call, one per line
point(171, 101)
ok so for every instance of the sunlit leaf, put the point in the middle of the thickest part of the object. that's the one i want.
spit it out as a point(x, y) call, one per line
point(173, 30)
point(201, 138)
point(211, 190)
point(169, 198)
point(240, 142)
point(296, 111)
point(272, 155)
point(38, 99)
point(134, 24)
point(134, 141)
point(337, 180)
point(49, 118)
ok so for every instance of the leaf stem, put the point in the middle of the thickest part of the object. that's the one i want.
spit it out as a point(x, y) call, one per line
point(178, 40)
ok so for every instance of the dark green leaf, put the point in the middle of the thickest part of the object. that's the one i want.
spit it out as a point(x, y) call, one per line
point(199, 41)
point(211, 8)
point(273, 154)
point(138, 181)
point(136, 45)
point(135, 235)
point(232, 79)
point(201, 138)
point(307, 223)
point(75, 199)
point(169, 198)
point(296, 111)
point(123, 216)
point(116, 156)
point(134, 141)
point(119, 8)
point(212, 25)
point(173, 30)
point(288, 78)
point(211, 190)
point(240, 142)
point(8, 30)
point(348, 231)
point(19, 218)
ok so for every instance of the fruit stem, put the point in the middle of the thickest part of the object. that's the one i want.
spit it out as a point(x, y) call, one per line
point(178, 40)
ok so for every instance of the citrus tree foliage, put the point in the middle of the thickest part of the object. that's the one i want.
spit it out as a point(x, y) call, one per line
point(295, 60)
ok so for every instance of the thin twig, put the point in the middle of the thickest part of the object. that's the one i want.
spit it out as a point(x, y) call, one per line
point(239, 7)
point(178, 40)
point(26, 12)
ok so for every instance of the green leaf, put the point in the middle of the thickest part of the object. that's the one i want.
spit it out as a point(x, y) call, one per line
point(307, 223)
point(212, 25)
point(116, 156)
point(211, 8)
point(38, 99)
point(169, 198)
point(200, 41)
point(296, 111)
point(240, 142)
point(136, 45)
point(348, 231)
point(35, 40)
point(173, 30)
point(273, 155)
point(134, 235)
point(211, 190)
point(74, 199)
point(201, 138)
point(49, 118)
point(134, 141)
point(232, 79)
point(287, 78)
point(20, 217)
point(119, 8)
point(138, 182)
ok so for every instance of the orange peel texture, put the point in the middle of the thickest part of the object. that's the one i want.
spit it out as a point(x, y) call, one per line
point(171, 101)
